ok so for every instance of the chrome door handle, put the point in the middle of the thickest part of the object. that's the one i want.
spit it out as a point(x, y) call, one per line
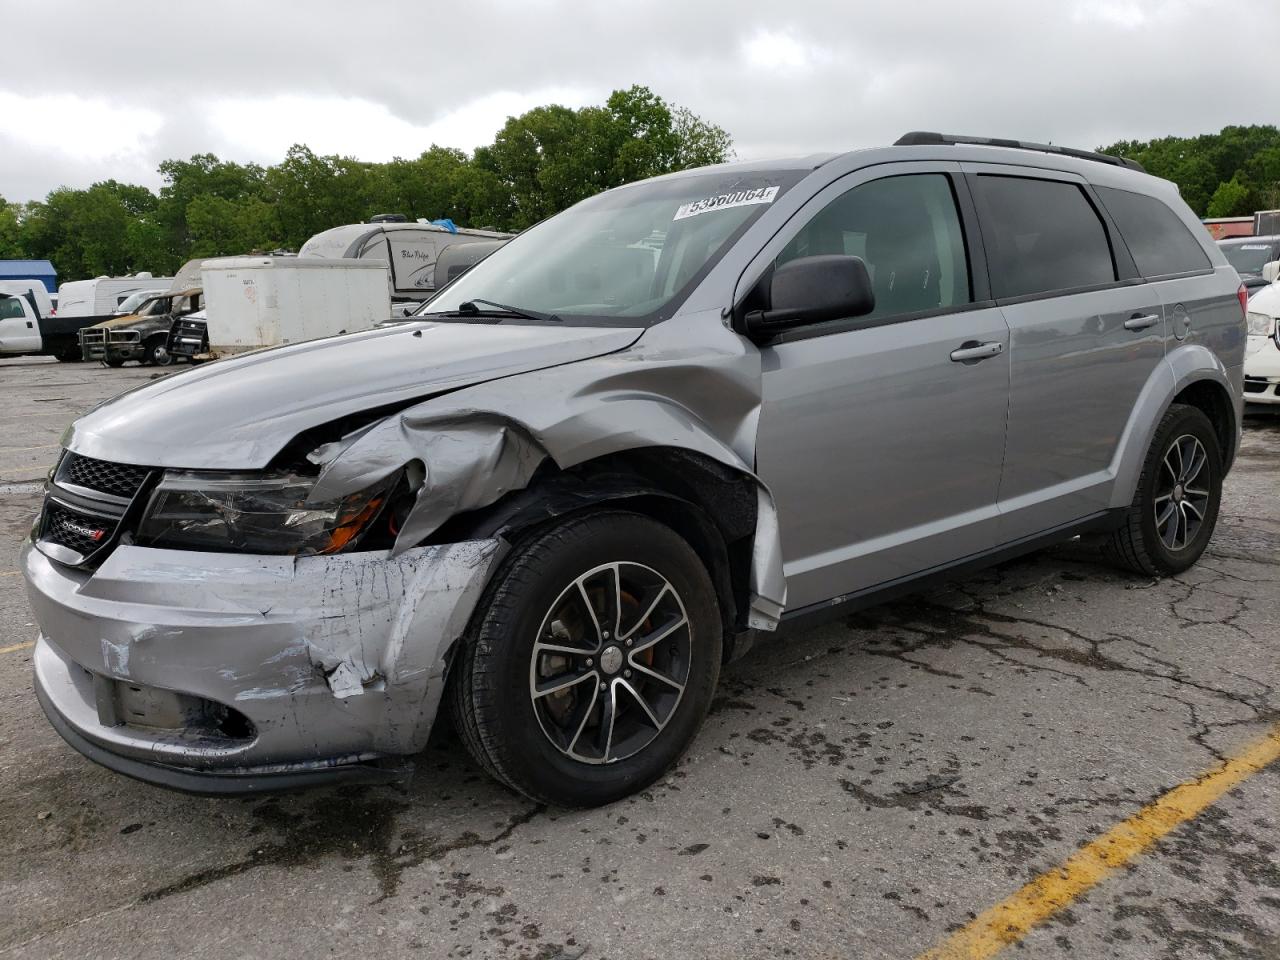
point(1140, 321)
point(972, 350)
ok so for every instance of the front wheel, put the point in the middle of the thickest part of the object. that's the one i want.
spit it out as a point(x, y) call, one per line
point(592, 661)
point(1175, 508)
point(157, 352)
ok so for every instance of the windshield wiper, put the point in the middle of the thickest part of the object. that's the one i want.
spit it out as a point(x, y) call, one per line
point(469, 306)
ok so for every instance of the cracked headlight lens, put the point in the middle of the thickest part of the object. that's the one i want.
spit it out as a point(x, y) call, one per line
point(255, 513)
point(1261, 325)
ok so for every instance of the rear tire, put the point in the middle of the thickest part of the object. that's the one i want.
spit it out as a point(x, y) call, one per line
point(113, 362)
point(597, 716)
point(1175, 508)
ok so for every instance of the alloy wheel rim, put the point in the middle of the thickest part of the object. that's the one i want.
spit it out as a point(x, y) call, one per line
point(610, 663)
point(1182, 493)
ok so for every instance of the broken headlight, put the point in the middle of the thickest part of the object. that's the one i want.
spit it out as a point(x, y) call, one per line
point(256, 513)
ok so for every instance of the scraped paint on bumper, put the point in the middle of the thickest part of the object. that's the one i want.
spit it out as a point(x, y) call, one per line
point(248, 667)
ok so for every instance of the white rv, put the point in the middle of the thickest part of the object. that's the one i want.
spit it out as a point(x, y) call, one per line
point(409, 249)
point(101, 296)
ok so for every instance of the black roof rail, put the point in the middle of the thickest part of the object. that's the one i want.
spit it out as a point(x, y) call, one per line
point(921, 138)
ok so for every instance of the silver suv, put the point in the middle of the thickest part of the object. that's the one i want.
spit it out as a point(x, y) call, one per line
point(644, 435)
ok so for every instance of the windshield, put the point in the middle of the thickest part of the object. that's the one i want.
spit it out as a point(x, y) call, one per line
point(131, 303)
point(1248, 257)
point(630, 254)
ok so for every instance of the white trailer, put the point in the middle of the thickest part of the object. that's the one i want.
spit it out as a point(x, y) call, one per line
point(100, 297)
point(254, 302)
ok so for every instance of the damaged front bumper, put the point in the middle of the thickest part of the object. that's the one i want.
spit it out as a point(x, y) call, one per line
point(225, 673)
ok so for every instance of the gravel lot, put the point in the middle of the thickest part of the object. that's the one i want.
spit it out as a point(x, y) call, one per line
point(857, 792)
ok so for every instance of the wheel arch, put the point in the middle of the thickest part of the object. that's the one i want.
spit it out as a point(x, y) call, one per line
point(712, 506)
point(1191, 374)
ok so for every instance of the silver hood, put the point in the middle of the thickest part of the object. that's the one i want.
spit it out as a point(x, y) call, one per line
point(238, 413)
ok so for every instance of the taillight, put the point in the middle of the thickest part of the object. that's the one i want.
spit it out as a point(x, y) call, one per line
point(1243, 296)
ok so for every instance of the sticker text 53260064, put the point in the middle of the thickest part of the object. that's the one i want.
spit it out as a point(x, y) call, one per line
point(739, 198)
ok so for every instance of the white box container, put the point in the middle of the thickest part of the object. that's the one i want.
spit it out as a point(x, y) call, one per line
point(254, 302)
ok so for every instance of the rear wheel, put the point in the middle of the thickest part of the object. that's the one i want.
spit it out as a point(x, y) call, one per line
point(113, 362)
point(592, 662)
point(1175, 509)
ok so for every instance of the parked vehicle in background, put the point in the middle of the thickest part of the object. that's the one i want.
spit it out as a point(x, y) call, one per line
point(19, 326)
point(134, 301)
point(255, 302)
point(452, 263)
point(645, 434)
point(1262, 354)
point(142, 335)
point(101, 297)
point(34, 290)
point(1249, 255)
point(29, 326)
point(41, 270)
point(409, 249)
point(1224, 228)
point(1266, 223)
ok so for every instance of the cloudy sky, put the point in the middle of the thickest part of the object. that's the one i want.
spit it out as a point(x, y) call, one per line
point(93, 90)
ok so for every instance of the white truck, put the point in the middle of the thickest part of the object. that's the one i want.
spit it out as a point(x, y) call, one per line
point(255, 302)
point(28, 325)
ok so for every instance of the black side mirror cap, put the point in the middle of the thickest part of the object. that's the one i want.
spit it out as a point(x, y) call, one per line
point(811, 290)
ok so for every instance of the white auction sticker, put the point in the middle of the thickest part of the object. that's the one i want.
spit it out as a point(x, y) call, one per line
point(739, 198)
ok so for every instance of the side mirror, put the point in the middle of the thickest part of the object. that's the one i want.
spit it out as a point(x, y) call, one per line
point(1271, 271)
point(811, 290)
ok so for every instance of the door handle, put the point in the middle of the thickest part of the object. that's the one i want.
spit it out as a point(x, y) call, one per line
point(972, 350)
point(1140, 321)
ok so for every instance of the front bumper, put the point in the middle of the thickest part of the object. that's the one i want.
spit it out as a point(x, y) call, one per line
point(223, 673)
point(1262, 371)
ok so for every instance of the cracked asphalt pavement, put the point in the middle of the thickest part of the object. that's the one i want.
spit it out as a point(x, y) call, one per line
point(858, 791)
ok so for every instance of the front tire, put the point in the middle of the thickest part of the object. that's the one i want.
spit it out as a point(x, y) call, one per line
point(591, 662)
point(157, 352)
point(1175, 509)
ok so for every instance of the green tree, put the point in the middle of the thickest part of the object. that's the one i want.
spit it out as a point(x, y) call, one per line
point(1206, 167)
point(539, 163)
point(1231, 199)
point(11, 245)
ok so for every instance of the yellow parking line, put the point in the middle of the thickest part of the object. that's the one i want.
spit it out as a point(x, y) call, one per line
point(1008, 922)
point(42, 446)
point(9, 573)
point(14, 648)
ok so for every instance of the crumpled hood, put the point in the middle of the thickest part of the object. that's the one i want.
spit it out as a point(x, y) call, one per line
point(238, 413)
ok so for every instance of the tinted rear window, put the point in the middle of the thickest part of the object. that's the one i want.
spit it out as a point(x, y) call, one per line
point(1042, 236)
point(1160, 242)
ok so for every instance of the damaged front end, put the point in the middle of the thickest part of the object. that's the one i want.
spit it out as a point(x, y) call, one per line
point(223, 632)
point(276, 602)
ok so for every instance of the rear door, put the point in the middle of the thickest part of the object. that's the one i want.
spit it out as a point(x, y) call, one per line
point(1085, 335)
point(1198, 308)
point(881, 436)
point(19, 329)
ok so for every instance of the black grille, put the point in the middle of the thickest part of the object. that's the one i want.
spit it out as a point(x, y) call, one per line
point(82, 533)
point(187, 338)
point(117, 479)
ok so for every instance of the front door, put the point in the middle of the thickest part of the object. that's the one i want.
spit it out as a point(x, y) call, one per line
point(881, 436)
point(19, 328)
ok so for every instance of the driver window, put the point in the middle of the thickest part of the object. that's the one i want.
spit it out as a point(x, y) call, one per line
point(907, 231)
